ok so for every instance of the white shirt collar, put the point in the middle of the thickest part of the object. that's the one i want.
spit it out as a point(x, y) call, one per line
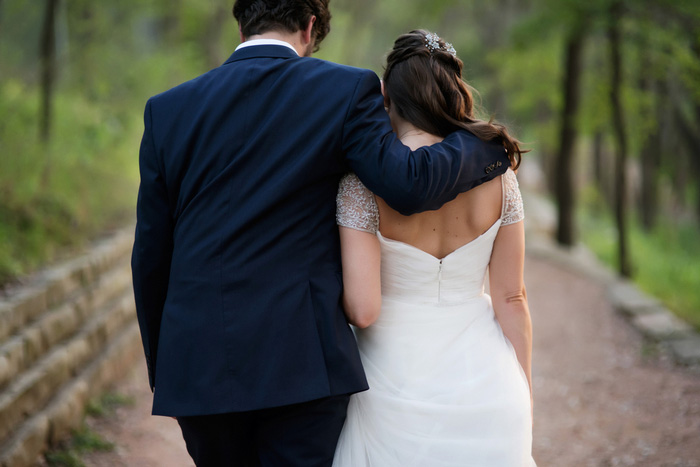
point(266, 42)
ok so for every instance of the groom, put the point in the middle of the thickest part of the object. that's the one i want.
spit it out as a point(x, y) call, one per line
point(236, 262)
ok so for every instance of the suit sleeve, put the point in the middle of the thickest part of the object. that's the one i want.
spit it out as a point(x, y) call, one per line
point(153, 246)
point(412, 181)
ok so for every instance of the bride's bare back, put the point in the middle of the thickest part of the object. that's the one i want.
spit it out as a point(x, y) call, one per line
point(453, 225)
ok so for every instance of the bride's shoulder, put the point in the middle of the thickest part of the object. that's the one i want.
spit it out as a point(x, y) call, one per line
point(352, 193)
point(356, 206)
point(350, 184)
point(509, 176)
point(511, 187)
point(512, 210)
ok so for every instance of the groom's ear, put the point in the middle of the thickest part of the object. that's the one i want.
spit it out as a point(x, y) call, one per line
point(307, 33)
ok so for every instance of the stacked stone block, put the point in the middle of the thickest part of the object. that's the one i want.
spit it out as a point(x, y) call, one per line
point(64, 337)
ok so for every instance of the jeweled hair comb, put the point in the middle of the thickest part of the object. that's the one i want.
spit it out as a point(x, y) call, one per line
point(432, 42)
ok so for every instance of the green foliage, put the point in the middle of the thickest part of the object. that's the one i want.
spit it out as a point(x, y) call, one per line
point(113, 55)
point(660, 65)
point(107, 404)
point(665, 260)
point(58, 196)
point(111, 58)
point(84, 441)
point(64, 459)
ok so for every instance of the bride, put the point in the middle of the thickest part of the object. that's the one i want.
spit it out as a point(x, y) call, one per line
point(448, 366)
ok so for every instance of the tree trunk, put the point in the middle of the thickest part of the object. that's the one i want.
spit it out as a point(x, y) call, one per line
point(694, 158)
point(212, 36)
point(696, 163)
point(651, 158)
point(687, 129)
point(563, 176)
point(620, 138)
point(652, 147)
point(691, 140)
point(83, 32)
point(549, 160)
point(171, 21)
point(48, 69)
point(648, 201)
point(598, 168)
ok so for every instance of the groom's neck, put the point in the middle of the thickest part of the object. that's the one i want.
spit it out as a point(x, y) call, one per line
point(294, 39)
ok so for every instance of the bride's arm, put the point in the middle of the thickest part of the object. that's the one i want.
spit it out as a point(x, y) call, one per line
point(358, 220)
point(361, 261)
point(508, 292)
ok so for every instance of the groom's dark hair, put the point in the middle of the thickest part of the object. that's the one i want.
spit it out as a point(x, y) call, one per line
point(260, 16)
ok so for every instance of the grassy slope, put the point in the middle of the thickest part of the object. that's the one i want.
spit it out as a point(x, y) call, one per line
point(57, 196)
point(665, 261)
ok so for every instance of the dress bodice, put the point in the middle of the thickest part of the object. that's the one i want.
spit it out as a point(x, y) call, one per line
point(409, 274)
point(412, 275)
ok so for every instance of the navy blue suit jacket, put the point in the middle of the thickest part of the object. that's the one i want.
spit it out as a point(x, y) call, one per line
point(236, 261)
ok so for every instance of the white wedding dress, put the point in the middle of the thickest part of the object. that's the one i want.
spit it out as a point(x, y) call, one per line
point(446, 388)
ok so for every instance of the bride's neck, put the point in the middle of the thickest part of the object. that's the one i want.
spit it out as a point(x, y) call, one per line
point(412, 136)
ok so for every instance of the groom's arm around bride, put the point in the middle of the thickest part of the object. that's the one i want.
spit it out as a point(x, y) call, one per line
point(236, 261)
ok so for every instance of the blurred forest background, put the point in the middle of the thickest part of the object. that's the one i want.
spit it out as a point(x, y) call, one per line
point(606, 93)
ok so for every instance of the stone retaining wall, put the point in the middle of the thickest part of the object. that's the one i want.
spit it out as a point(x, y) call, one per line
point(64, 337)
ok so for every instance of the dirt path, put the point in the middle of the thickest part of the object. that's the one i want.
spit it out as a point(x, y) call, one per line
point(140, 439)
point(602, 396)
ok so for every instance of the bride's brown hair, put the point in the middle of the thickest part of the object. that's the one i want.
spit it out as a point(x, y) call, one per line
point(423, 81)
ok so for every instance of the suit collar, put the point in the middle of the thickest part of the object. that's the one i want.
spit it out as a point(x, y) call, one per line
point(265, 41)
point(261, 51)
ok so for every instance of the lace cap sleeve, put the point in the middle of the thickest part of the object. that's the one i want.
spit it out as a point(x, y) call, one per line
point(512, 199)
point(355, 205)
